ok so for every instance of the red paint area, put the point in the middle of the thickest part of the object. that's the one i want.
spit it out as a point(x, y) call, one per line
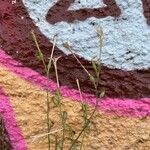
point(16, 39)
point(146, 7)
point(59, 12)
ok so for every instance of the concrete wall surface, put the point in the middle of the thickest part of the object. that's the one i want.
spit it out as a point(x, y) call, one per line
point(122, 119)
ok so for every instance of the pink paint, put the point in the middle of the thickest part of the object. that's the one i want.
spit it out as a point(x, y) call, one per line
point(123, 107)
point(13, 130)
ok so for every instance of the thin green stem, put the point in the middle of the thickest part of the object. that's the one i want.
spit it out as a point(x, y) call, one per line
point(47, 71)
point(96, 84)
point(48, 122)
point(82, 140)
point(66, 45)
point(89, 75)
point(84, 113)
point(59, 106)
point(39, 50)
point(86, 125)
point(79, 89)
point(63, 125)
point(47, 93)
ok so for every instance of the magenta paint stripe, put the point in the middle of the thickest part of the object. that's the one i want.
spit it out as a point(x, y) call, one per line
point(14, 132)
point(123, 107)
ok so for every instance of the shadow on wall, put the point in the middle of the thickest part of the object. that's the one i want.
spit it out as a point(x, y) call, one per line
point(4, 139)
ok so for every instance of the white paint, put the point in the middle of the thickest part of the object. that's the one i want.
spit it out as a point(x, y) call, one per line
point(13, 1)
point(22, 17)
point(127, 33)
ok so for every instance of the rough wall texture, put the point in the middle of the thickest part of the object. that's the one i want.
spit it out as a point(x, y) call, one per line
point(123, 23)
point(122, 120)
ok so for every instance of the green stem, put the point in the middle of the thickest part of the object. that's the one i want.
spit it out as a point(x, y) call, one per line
point(96, 88)
point(47, 91)
point(82, 140)
point(87, 124)
point(48, 112)
point(47, 71)
point(63, 124)
point(48, 122)
point(39, 50)
point(60, 109)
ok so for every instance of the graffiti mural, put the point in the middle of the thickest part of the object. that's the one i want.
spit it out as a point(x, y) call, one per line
point(13, 130)
point(125, 58)
point(124, 24)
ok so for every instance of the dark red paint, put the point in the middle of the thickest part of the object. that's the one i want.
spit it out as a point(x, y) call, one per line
point(59, 12)
point(146, 7)
point(15, 36)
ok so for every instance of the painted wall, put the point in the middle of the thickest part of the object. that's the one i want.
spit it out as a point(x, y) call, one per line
point(125, 109)
point(126, 30)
